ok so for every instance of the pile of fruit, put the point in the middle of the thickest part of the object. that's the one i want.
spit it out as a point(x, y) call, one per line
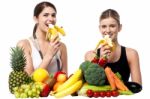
point(91, 79)
point(39, 84)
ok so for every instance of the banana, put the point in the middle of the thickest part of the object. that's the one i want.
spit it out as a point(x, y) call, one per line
point(70, 90)
point(107, 40)
point(53, 31)
point(60, 30)
point(74, 78)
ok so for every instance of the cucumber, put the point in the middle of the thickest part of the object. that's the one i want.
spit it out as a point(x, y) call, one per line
point(125, 92)
point(98, 88)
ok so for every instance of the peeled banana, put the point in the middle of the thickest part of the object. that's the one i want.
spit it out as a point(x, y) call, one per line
point(54, 31)
point(107, 40)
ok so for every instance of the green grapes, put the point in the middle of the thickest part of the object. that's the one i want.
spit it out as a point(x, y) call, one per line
point(28, 90)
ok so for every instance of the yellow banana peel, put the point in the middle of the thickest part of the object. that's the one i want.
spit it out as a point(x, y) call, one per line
point(60, 30)
point(53, 31)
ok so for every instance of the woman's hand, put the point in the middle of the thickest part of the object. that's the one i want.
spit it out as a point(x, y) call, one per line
point(52, 49)
point(89, 56)
point(105, 50)
point(54, 46)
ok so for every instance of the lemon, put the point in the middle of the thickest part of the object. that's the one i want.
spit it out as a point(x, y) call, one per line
point(40, 75)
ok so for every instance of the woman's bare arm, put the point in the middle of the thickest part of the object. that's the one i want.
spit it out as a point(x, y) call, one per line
point(133, 59)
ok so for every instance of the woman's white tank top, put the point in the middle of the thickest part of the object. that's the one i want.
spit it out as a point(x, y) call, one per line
point(55, 64)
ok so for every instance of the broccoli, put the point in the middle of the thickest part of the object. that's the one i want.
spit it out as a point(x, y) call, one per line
point(93, 73)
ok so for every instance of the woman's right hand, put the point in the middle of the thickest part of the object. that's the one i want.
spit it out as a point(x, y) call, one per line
point(54, 46)
point(105, 50)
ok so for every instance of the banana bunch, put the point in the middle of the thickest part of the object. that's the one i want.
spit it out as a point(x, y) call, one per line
point(53, 31)
point(107, 40)
point(73, 84)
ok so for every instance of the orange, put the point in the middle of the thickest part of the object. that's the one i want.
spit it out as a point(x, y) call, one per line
point(40, 75)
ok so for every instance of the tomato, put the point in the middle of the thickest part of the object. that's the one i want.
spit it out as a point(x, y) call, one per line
point(89, 93)
point(96, 94)
point(102, 61)
point(108, 94)
point(115, 93)
point(102, 94)
point(95, 60)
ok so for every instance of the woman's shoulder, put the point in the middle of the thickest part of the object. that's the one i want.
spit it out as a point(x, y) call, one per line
point(63, 46)
point(24, 43)
point(131, 53)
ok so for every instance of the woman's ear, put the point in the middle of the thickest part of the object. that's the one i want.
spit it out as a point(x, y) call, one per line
point(99, 28)
point(35, 19)
point(120, 27)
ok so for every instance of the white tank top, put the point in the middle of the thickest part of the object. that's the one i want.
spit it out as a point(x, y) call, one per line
point(53, 67)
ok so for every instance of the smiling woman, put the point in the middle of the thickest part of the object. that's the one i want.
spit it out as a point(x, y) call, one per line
point(40, 52)
point(122, 59)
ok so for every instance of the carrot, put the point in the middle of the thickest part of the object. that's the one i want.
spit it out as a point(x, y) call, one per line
point(119, 84)
point(110, 78)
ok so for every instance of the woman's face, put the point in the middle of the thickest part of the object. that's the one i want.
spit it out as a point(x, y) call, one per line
point(109, 26)
point(47, 16)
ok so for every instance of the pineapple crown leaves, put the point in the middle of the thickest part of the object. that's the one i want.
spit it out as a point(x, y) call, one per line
point(18, 59)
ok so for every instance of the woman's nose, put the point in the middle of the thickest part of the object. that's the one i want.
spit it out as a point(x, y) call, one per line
point(50, 20)
point(107, 30)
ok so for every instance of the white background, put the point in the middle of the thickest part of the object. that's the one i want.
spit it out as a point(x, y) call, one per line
point(80, 19)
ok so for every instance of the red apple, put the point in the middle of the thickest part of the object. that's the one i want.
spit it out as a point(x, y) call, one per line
point(45, 91)
point(57, 73)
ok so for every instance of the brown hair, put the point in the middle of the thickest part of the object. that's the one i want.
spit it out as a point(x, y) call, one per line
point(38, 9)
point(110, 13)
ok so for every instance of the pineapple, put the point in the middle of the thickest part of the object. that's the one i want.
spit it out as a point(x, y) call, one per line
point(18, 76)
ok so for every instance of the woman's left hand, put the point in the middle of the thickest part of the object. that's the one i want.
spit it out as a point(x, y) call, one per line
point(89, 56)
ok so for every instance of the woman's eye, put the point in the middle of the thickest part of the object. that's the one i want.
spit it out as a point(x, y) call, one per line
point(53, 15)
point(103, 26)
point(45, 14)
point(112, 26)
